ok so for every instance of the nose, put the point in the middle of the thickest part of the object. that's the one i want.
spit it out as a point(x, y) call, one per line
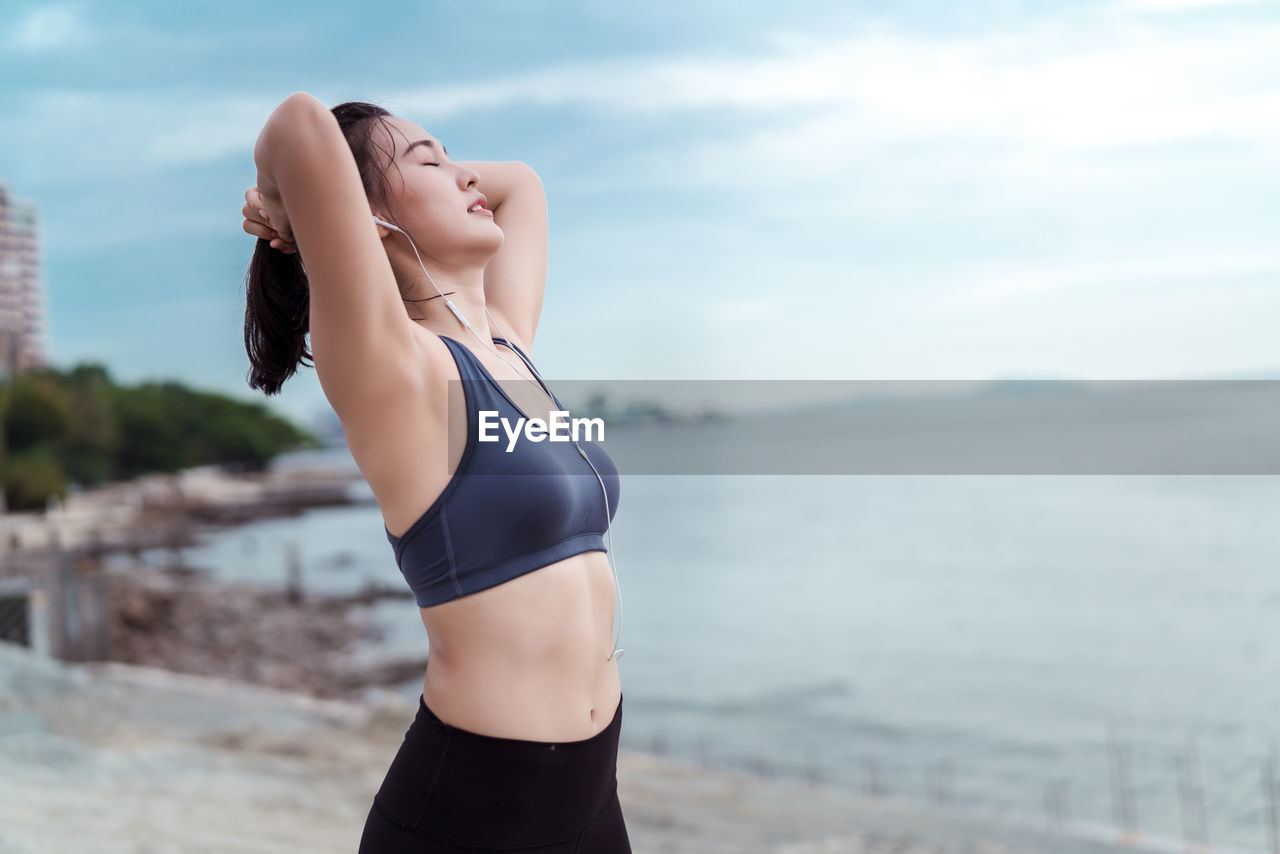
point(469, 177)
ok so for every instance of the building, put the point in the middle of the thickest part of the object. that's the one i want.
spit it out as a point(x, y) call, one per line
point(22, 297)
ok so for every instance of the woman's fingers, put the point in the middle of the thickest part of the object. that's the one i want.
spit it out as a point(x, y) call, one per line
point(252, 198)
point(254, 213)
point(257, 229)
point(258, 223)
point(268, 233)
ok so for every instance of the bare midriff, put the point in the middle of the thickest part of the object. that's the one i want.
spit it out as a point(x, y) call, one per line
point(529, 658)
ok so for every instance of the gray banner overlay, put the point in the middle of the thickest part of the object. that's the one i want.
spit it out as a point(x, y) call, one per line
point(932, 427)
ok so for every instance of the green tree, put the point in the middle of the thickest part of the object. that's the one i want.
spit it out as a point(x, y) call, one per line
point(94, 440)
point(39, 411)
point(31, 476)
point(80, 425)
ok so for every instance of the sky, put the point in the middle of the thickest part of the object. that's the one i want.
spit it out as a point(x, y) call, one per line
point(736, 190)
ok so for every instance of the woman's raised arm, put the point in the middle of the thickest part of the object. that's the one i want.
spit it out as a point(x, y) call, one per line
point(363, 342)
point(515, 279)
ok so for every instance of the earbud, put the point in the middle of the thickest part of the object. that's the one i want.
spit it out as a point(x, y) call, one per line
point(387, 224)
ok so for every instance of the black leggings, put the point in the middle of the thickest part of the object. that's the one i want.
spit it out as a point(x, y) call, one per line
point(453, 791)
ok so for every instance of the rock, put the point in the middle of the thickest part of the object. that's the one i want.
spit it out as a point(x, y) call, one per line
point(292, 640)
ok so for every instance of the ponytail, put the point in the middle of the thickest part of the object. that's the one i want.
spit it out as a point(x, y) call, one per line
point(276, 317)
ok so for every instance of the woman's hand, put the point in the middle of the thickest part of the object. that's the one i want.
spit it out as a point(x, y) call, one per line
point(264, 216)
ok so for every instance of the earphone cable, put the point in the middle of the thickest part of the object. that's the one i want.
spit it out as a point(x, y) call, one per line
point(489, 346)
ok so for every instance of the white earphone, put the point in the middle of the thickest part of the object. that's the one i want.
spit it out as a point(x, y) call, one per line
point(489, 346)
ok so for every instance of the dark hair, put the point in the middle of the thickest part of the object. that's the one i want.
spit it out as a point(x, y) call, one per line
point(278, 298)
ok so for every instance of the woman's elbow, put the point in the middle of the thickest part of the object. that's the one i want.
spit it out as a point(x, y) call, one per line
point(297, 111)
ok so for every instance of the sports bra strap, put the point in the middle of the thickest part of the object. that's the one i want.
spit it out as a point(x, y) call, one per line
point(532, 369)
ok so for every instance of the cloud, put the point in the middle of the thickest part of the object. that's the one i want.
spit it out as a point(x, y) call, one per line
point(49, 28)
point(1050, 83)
point(1181, 5)
point(134, 133)
point(884, 122)
point(639, 86)
point(200, 131)
point(979, 288)
point(1053, 85)
point(1050, 92)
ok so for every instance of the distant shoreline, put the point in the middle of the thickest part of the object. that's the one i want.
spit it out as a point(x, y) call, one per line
point(163, 509)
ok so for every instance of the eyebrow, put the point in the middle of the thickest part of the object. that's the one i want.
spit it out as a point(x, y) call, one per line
point(428, 142)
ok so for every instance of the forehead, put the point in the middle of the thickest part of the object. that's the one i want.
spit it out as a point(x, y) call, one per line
point(404, 133)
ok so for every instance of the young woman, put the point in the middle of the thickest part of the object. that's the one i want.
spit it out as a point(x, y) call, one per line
point(420, 280)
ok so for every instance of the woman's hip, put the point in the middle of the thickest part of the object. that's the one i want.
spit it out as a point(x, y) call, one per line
point(454, 785)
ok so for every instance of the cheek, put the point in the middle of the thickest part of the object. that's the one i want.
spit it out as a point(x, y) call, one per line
point(439, 201)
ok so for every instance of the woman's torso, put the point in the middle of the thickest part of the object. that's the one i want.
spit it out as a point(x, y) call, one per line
point(527, 658)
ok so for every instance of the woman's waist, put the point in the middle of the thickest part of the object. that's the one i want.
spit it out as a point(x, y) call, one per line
point(552, 701)
point(537, 659)
point(532, 653)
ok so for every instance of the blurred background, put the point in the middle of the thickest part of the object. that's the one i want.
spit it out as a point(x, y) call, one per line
point(826, 191)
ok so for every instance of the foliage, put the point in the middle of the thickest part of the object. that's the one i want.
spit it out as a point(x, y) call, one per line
point(79, 427)
point(31, 477)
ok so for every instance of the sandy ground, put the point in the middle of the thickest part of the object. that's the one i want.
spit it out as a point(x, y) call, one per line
point(113, 757)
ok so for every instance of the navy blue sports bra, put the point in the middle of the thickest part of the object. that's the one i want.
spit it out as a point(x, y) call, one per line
point(538, 504)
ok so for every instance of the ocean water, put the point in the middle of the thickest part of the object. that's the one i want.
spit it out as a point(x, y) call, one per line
point(997, 641)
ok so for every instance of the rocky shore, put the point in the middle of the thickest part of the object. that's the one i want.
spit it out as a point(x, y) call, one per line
point(179, 620)
point(167, 509)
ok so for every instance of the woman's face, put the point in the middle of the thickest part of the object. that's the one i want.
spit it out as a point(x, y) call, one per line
point(432, 195)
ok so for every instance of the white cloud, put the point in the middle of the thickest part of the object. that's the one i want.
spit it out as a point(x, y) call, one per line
point(745, 312)
point(1050, 85)
point(1020, 98)
point(133, 133)
point(48, 28)
point(1181, 5)
point(980, 288)
point(1070, 86)
point(198, 131)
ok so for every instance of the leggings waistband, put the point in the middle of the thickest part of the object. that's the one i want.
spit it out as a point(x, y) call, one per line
point(603, 743)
